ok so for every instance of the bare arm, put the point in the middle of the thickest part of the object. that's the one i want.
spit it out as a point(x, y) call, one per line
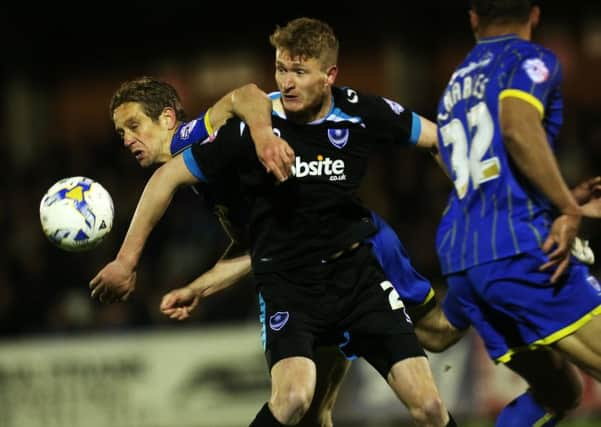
point(428, 139)
point(526, 143)
point(179, 303)
point(253, 106)
point(116, 281)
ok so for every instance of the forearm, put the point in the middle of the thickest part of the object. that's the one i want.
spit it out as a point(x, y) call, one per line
point(252, 105)
point(223, 275)
point(153, 203)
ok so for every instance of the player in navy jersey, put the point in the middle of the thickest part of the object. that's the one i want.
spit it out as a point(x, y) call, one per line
point(505, 237)
point(318, 282)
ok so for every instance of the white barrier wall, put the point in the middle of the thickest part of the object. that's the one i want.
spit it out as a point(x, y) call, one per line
point(206, 377)
point(214, 377)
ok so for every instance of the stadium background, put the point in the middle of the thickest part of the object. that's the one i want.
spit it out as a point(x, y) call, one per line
point(65, 358)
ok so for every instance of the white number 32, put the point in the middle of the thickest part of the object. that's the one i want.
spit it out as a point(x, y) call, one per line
point(470, 165)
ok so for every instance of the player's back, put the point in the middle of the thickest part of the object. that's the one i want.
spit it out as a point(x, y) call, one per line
point(493, 212)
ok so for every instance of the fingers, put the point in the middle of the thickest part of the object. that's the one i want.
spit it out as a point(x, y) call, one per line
point(548, 245)
point(278, 159)
point(561, 268)
point(177, 313)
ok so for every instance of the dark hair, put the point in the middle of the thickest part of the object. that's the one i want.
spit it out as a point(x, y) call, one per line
point(153, 95)
point(307, 38)
point(502, 11)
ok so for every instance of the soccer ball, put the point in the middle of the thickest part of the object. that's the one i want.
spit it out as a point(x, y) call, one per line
point(76, 213)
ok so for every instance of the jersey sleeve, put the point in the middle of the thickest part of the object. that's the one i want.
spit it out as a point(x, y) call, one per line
point(533, 76)
point(392, 121)
point(194, 131)
point(208, 159)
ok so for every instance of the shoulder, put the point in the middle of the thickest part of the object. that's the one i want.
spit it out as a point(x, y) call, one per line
point(529, 54)
point(355, 102)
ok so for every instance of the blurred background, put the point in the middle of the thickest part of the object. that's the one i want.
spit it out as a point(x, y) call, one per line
point(65, 357)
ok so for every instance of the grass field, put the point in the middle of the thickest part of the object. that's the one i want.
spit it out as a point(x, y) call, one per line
point(566, 423)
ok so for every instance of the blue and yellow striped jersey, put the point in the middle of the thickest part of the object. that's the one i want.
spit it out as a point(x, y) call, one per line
point(493, 211)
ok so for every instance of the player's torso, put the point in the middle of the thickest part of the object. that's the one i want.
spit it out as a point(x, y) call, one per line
point(317, 208)
point(225, 198)
point(493, 212)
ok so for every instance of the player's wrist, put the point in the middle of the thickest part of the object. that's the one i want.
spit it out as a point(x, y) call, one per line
point(127, 260)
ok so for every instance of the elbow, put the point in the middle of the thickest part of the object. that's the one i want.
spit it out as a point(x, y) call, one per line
point(511, 137)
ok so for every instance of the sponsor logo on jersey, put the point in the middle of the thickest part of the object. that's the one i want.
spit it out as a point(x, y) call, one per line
point(394, 106)
point(536, 70)
point(334, 169)
point(186, 129)
point(338, 137)
point(278, 320)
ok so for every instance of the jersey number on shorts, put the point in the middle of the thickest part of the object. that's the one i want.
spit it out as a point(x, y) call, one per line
point(464, 164)
point(393, 297)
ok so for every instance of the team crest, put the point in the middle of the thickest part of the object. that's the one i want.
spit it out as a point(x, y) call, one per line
point(536, 70)
point(278, 320)
point(338, 137)
point(186, 130)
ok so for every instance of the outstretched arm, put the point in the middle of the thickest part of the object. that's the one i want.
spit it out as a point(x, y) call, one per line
point(116, 281)
point(179, 303)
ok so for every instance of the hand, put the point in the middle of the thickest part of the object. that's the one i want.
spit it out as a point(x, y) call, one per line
point(274, 153)
point(587, 190)
point(179, 303)
point(115, 282)
point(592, 209)
point(563, 232)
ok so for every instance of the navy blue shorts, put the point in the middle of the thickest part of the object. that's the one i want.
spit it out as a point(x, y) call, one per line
point(346, 302)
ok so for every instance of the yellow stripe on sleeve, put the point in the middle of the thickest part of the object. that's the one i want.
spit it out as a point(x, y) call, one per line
point(207, 122)
point(525, 96)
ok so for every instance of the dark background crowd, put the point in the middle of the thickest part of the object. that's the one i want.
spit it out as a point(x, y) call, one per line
point(60, 66)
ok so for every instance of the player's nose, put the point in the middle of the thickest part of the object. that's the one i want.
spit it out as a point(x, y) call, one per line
point(128, 139)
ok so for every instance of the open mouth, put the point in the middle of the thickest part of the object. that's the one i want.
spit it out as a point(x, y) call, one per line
point(138, 154)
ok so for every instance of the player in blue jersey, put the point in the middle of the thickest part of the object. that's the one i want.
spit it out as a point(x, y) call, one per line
point(318, 282)
point(505, 237)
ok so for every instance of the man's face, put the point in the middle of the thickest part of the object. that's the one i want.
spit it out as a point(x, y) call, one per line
point(303, 84)
point(146, 139)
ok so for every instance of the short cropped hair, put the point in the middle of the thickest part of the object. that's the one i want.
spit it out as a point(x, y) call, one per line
point(502, 11)
point(153, 95)
point(307, 38)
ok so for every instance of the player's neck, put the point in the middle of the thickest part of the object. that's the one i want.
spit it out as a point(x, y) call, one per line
point(497, 30)
point(165, 153)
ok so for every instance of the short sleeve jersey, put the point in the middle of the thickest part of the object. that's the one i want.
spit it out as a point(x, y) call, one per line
point(493, 212)
point(316, 212)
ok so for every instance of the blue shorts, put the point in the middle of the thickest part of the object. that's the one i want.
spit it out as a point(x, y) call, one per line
point(413, 288)
point(513, 306)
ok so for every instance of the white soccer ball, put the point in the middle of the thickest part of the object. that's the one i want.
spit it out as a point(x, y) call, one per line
point(76, 213)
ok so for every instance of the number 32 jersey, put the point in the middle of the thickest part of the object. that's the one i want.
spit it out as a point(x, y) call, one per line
point(493, 211)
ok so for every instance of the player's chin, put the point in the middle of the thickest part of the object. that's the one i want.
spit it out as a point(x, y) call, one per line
point(144, 162)
point(292, 104)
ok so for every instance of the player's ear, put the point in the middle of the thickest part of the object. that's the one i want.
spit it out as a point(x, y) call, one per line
point(331, 74)
point(474, 21)
point(168, 118)
point(534, 16)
